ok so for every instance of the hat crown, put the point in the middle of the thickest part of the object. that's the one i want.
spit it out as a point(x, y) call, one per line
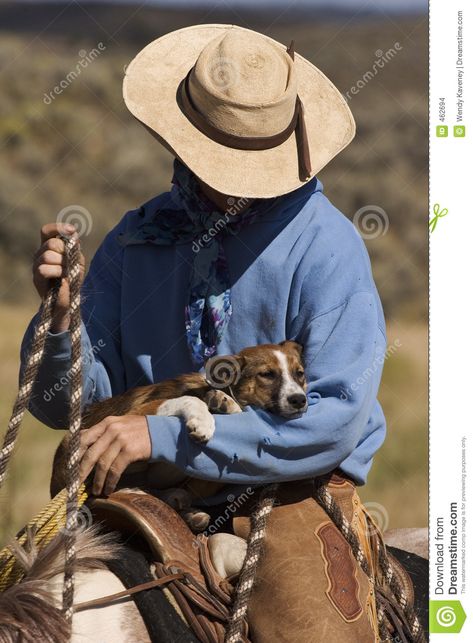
point(243, 68)
point(244, 85)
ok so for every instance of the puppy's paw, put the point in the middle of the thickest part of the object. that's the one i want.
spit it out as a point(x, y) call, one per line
point(197, 520)
point(201, 426)
point(220, 402)
point(195, 413)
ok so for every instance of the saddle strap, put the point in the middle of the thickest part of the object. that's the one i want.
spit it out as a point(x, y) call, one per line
point(106, 600)
point(399, 629)
point(206, 613)
point(202, 616)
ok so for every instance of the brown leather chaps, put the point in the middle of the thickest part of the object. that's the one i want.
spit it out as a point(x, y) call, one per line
point(309, 587)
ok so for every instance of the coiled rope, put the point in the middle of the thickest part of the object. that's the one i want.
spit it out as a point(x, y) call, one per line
point(20, 406)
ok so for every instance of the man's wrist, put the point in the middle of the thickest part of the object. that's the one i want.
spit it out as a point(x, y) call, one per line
point(163, 434)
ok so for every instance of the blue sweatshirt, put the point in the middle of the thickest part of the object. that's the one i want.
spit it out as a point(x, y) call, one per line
point(302, 272)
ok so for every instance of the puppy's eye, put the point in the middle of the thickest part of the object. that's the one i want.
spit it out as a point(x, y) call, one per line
point(268, 375)
point(300, 373)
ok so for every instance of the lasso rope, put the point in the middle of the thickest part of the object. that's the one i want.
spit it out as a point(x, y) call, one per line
point(73, 479)
point(328, 503)
point(27, 381)
point(41, 529)
point(248, 571)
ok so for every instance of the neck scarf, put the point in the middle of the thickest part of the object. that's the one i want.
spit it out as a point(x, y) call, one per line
point(198, 220)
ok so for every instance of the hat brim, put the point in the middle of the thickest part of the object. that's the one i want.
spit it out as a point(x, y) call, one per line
point(150, 90)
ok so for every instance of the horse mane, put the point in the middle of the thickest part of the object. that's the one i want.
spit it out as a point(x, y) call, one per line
point(28, 613)
point(28, 610)
point(93, 548)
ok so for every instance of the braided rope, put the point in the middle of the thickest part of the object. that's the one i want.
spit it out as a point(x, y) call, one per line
point(248, 571)
point(45, 526)
point(396, 588)
point(27, 381)
point(326, 500)
point(73, 479)
point(20, 406)
point(331, 507)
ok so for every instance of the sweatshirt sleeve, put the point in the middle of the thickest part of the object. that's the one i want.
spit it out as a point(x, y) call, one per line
point(102, 370)
point(343, 355)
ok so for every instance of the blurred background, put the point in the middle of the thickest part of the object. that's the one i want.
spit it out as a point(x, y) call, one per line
point(67, 140)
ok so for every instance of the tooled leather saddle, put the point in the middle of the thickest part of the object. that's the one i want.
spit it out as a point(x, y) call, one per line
point(202, 597)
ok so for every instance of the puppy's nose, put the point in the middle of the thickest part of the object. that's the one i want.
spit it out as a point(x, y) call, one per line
point(297, 400)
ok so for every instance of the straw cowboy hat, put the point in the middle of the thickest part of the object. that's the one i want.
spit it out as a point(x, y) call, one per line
point(248, 115)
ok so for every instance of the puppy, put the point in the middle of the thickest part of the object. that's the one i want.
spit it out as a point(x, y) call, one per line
point(270, 377)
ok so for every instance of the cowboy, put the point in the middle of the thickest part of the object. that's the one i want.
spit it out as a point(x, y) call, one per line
point(244, 249)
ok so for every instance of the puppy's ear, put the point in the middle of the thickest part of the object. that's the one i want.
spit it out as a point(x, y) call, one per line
point(289, 343)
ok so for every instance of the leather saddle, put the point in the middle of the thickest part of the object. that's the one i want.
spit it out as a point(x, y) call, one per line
point(202, 598)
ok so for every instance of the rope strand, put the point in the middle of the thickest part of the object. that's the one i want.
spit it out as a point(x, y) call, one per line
point(73, 479)
point(27, 380)
point(326, 500)
point(248, 571)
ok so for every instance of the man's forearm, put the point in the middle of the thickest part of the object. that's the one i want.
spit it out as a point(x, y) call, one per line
point(256, 447)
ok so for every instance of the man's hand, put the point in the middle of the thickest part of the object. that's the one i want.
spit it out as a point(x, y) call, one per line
point(49, 263)
point(110, 446)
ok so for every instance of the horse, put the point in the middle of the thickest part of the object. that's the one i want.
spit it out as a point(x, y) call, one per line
point(31, 609)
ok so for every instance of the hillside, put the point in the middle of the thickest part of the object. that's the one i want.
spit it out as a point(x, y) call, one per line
point(81, 147)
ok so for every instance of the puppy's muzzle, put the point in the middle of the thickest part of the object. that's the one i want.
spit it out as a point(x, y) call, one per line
point(297, 401)
point(294, 404)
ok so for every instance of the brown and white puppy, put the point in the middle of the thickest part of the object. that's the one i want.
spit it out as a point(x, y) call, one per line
point(270, 377)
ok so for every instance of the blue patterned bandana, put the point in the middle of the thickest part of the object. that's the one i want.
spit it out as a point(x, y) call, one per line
point(209, 307)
